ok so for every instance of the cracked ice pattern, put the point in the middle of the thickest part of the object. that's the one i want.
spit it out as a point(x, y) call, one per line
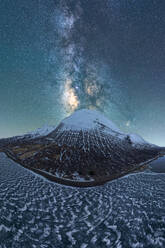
point(128, 212)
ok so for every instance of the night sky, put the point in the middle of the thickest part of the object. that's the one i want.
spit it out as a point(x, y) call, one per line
point(59, 56)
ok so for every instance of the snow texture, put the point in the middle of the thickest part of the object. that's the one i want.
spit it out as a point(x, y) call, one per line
point(89, 120)
point(85, 119)
point(135, 138)
point(43, 131)
point(126, 213)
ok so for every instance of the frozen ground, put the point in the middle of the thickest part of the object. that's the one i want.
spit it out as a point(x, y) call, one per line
point(126, 213)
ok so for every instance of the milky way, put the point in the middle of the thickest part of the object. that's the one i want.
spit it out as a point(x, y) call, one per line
point(85, 81)
point(58, 56)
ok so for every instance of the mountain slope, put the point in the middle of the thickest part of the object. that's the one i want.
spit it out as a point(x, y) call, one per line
point(86, 119)
point(33, 136)
point(40, 132)
point(85, 147)
point(91, 124)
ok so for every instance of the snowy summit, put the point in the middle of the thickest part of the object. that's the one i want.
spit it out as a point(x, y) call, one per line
point(85, 119)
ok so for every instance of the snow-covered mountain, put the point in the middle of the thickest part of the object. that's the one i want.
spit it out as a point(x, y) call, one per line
point(40, 132)
point(88, 146)
point(91, 122)
point(86, 119)
point(36, 134)
point(84, 147)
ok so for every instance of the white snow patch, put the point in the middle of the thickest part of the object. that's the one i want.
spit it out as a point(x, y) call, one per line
point(43, 131)
point(3, 227)
point(137, 139)
point(77, 177)
point(84, 245)
point(85, 119)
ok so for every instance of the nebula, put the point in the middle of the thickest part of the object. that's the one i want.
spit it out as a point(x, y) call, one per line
point(82, 80)
point(69, 98)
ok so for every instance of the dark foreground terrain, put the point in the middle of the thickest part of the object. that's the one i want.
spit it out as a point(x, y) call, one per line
point(73, 166)
point(126, 213)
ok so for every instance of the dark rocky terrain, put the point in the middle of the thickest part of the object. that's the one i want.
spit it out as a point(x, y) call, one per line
point(86, 149)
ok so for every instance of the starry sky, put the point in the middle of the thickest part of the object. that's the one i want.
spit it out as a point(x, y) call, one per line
point(57, 56)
